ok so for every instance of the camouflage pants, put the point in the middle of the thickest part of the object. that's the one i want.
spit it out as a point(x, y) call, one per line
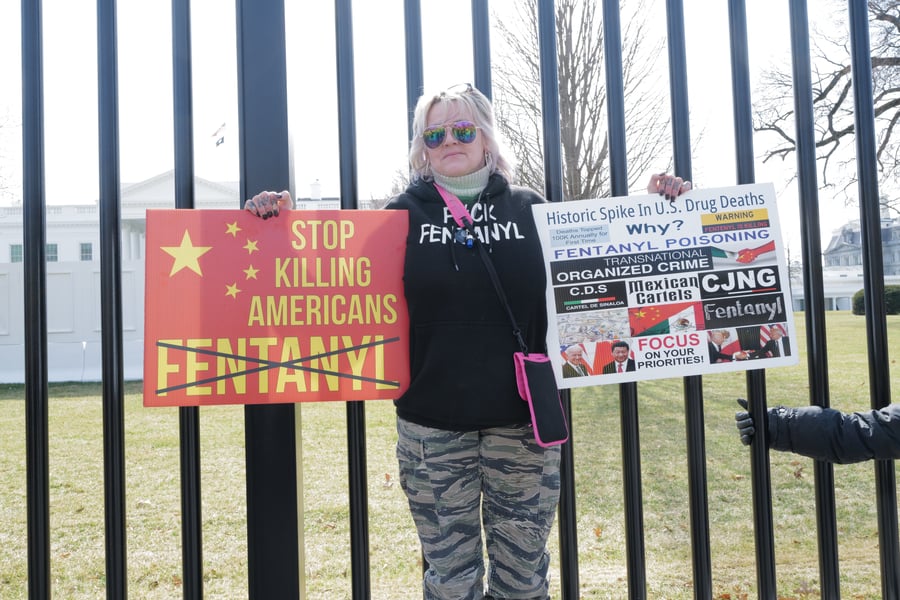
point(460, 482)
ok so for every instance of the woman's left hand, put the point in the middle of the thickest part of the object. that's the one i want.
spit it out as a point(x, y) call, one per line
point(667, 185)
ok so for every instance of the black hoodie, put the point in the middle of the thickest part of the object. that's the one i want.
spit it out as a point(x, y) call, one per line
point(461, 341)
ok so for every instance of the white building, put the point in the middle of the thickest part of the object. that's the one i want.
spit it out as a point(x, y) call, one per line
point(842, 264)
point(73, 278)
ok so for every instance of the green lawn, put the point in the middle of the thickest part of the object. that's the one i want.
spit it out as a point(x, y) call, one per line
point(153, 493)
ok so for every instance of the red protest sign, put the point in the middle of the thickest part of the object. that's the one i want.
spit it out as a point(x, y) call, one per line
point(305, 307)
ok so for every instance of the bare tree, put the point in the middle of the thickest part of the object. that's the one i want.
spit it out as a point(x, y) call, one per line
point(582, 96)
point(399, 183)
point(833, 102)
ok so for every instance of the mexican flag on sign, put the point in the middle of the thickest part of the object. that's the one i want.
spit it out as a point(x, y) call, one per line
point(666, 318)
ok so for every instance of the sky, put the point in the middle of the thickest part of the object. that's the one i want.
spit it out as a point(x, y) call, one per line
point(145, 92)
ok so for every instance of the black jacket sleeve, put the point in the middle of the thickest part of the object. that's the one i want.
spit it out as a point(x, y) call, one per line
point(833, 436)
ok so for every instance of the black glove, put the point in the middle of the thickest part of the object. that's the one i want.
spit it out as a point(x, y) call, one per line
point(744, 423)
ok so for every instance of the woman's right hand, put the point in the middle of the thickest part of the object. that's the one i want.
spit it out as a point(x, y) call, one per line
point(667, 185)
point(269, 204)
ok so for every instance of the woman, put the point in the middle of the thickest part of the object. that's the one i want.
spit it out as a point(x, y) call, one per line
point(468, 459)
point(467, 455)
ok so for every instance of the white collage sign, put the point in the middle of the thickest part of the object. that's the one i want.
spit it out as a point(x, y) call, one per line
point(643, 288)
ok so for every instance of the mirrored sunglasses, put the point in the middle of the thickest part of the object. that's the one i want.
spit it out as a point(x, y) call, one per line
point(463, 131)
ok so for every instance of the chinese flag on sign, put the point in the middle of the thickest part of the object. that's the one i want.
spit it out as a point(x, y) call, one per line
point(308, 306)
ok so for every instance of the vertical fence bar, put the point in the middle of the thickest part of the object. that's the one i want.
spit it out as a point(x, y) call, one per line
point(270, 430)
point(346, 103)
point(756, 390)
point(189, 416)
point(634, 498)
point(35, 297)
point(810, 232)
point(553, 191)
point(692, 386)
point(415, 80)
point(111, 301)
point(183, 112)
point(681, 127)
point(481, 41)
point(615, 98)
point(692, 389)
point(356, 411)
point(628, 398)
point(553, 185)
point(740, 91)
point(873, 275)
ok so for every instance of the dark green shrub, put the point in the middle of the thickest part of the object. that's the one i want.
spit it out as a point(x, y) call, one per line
point(859, 306)
point(891, 301)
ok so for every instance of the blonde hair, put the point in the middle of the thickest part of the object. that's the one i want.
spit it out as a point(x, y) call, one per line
point(483, 113)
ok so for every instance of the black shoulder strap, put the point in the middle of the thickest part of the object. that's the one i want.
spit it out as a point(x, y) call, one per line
point(464, 219)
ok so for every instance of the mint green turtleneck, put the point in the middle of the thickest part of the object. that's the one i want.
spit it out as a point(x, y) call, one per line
point(466, 187)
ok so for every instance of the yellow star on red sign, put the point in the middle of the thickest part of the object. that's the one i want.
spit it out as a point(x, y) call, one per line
point(232, 228)
point(232, 290)
point(187, 255)
point(251, 272)
point(250, 247)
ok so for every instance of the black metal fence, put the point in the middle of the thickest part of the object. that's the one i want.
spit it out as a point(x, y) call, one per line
point(273, 555)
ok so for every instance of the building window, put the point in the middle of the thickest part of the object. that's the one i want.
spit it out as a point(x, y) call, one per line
point(15, 253)
point(87, 252)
